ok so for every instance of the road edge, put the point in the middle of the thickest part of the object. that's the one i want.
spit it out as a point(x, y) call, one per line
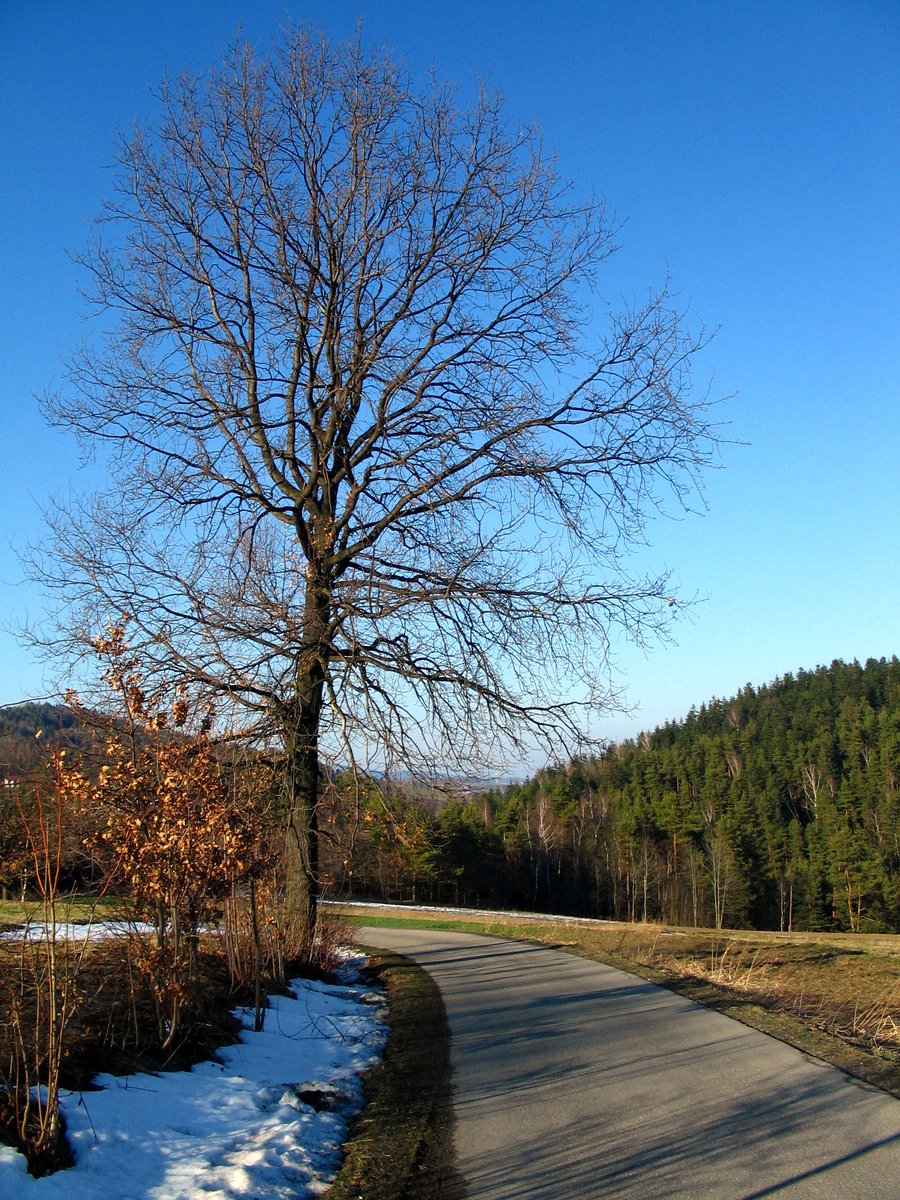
point(401, 1145)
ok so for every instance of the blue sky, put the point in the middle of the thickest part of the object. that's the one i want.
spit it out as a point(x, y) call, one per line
point(752, 150)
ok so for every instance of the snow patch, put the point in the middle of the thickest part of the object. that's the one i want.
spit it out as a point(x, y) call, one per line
point(267, 1122)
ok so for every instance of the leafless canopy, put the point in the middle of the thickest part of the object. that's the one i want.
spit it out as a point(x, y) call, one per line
point(378, 449)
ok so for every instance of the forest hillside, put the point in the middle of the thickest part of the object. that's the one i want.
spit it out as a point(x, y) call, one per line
point(27, 729)
point(776, 809)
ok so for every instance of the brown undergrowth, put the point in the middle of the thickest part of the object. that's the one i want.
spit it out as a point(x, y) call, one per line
point(111, 1028)
point(113, 1017)
point(115, 1028)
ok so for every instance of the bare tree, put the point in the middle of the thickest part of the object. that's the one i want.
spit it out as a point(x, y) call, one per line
point(378, 451)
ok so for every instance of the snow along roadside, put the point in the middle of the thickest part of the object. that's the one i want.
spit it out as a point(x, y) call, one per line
point(267, 1121)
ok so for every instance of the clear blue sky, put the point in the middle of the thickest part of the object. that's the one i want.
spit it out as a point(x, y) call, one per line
point(753, 149)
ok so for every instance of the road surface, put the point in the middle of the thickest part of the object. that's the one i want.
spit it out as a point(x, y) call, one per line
point(574, 1080)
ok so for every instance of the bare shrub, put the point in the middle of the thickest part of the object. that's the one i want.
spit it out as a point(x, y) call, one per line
point(39, 990)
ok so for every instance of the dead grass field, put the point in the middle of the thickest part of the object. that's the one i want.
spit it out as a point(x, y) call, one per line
point(836, 996)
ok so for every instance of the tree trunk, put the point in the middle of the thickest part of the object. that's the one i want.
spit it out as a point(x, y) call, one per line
point(300, 723)
point(301, 840)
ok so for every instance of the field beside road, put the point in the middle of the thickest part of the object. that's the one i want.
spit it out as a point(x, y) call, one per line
point(835, 996)
point(572, 1077)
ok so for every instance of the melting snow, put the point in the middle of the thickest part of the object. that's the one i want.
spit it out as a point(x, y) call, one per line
point(266, 1122)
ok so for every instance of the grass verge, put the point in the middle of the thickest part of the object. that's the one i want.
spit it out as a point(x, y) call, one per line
point(401, 1145)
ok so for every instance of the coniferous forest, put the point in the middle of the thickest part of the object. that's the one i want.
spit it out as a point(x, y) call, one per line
point(776, 809)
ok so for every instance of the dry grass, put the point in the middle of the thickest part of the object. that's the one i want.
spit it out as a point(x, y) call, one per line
point(847, 993)
point(838, 985)
point(113, 1026)
point(834, 995)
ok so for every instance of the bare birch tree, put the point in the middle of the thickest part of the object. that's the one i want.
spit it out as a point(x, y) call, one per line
point(378, 450)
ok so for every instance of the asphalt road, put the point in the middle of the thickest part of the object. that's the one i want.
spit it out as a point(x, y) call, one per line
point(575, 1080)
